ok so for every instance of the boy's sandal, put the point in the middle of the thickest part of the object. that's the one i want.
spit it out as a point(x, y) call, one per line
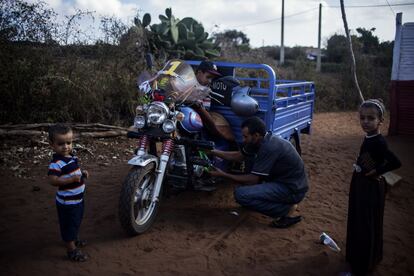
point(77, 256)
point(81, 243)
point(285, 222)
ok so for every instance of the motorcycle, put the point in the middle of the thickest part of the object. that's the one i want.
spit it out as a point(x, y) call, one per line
point(171, 146)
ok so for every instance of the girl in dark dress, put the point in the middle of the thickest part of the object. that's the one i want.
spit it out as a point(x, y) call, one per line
point(367, 192)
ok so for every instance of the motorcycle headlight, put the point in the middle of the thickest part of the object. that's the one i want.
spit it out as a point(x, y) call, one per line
point(139, 122)
point(168, 126)
point(179, 116)
point(157, 113)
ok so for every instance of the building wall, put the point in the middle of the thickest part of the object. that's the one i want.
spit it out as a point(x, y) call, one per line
point(402, 84)
point(406, 63)
point(402, 108)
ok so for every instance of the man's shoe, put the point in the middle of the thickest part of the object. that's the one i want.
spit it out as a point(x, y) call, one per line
point(204, 188)
point(285, 222)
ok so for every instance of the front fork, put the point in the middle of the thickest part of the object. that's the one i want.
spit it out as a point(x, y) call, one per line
point(167, 148)
point(142, 158)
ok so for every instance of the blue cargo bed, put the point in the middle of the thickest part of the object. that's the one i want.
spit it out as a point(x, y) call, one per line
point(286, 106)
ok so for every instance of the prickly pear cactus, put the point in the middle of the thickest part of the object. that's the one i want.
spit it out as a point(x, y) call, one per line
point(175, 38)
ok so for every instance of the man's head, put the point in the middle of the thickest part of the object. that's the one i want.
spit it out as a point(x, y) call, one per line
point(60, 139)
point(206, 72)
point(253, 131)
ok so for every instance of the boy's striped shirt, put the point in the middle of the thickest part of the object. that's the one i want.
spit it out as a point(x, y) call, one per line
point(67, 167)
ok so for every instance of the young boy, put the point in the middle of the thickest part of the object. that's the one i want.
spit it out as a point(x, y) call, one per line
point(64, 173)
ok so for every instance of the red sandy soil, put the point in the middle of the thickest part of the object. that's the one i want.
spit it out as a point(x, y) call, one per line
point(195, 232)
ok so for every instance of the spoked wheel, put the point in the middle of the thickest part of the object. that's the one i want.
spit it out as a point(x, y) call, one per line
point(137, 212)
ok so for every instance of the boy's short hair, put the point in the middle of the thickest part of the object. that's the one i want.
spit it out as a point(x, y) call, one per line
point(58, 129)
point(255, 125)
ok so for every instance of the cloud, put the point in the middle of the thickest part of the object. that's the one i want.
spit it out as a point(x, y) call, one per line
point(108, 7)
point(117, 8)
point(248, 16)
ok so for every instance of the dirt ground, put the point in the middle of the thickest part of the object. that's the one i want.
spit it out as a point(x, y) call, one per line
point(195, 233)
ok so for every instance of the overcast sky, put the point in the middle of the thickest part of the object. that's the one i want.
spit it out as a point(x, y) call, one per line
point(258, 19)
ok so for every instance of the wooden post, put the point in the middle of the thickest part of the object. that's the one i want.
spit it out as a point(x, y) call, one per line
point(393, 127)
point(318, 61)
point(397, 45)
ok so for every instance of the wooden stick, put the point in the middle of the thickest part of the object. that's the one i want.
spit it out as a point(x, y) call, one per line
point(353, 64)
point(31, 133)
point(95, 126)
point(103, 134)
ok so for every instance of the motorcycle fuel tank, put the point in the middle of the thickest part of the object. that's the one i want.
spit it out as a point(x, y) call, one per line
point(192, 121)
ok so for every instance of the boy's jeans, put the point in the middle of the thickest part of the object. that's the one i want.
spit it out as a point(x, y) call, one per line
point(70, 218)
point(271, 199)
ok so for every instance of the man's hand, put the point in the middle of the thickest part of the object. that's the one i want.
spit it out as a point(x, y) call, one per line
point(240, 178)
point(214, 171)
point(197, 105)
point(227, 155)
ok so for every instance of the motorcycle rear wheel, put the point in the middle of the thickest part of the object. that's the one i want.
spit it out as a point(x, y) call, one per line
point(137, 212)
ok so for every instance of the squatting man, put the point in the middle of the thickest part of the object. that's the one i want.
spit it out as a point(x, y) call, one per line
point(276, 181)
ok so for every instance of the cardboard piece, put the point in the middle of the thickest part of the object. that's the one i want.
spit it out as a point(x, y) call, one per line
point(391, 178)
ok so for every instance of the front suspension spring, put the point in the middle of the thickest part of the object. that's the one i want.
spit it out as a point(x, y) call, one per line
point(167, 147)
point(143, 143)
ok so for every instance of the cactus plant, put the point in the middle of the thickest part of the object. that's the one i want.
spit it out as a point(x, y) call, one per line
point(146, 20)
point(176, 38)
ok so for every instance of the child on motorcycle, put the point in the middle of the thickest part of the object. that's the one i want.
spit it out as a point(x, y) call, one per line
point(205, 73)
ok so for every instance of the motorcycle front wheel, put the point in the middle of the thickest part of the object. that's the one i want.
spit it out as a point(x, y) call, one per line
point(137, 212)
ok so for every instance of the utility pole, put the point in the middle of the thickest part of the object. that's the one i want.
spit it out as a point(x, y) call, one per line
point(282, 47)
point(318, 61)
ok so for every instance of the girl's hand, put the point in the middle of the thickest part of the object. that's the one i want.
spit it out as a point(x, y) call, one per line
point(371, 173)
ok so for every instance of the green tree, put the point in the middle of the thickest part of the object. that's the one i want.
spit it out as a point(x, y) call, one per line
point(384, 55)
point(231, 38)
point(337, 48)
point(370, 42)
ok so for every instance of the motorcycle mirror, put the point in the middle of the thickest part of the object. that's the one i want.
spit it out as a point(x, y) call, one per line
point(143, 76)
point(149, 58)
point(242, 104)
